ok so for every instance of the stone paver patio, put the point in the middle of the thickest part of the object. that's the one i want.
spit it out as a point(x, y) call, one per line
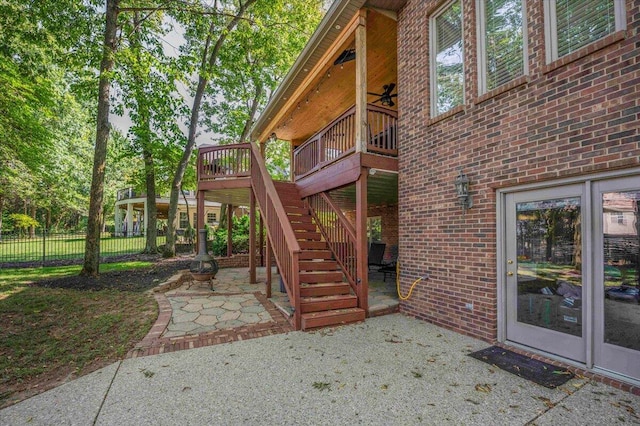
point(195, 314)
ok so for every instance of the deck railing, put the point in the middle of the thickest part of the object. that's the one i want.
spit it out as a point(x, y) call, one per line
point(283, 240)
point(224, 161)
point(337, 140)
point(337, 232)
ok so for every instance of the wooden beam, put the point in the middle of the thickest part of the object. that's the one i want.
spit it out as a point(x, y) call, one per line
point(361, 83)
point(341, 173)
point(362, 276)
point(252, 239)
point(211, 185)
point(379, 162)
point(388, 13)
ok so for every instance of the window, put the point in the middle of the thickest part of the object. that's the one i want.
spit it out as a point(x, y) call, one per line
point(195, 220)
point(447, 68)
point(211, 218)
point(374, 229)
point(618, 218)
point(184, 220)
point(573, 24)
point(502, 42)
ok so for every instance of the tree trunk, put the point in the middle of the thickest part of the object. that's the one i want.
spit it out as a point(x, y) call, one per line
point(91, 264)
point(143, 133)
point(208, 63)
point(151, 218)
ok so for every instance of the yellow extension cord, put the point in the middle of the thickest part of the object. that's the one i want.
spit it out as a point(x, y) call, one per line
point(398, 284)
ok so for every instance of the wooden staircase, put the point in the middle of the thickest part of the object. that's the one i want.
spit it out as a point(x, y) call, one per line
point(325, 298)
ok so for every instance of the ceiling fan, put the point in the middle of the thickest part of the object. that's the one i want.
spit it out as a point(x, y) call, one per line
point(385, 96)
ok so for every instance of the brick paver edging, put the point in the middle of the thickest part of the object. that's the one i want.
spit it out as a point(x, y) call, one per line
point(154, 344)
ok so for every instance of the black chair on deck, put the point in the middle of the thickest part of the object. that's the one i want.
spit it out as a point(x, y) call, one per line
point(376, 254)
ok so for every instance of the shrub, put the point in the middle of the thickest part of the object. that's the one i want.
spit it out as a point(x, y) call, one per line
point(239, 237)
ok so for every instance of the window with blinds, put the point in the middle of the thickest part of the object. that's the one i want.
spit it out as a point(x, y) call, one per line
point(501, 42)
point(447, 59)
point(573, 24)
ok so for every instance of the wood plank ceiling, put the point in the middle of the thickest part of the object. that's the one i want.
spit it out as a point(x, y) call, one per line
point(333, 91)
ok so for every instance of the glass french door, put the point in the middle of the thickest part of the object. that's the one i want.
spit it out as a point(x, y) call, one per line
point(617, 276)
point(544, 273)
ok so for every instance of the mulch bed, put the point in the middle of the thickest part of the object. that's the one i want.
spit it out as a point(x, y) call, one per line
point(136, 280)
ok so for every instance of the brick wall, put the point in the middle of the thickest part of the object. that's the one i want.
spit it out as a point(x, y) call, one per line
point(237, 261)
point(574, 117)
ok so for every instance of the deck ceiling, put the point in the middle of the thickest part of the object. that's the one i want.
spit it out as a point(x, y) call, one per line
point(235, 196)
point(333, 90)
point(382, 190)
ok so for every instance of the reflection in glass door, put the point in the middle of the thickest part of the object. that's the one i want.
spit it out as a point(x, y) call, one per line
point(617, 275)
point(544, 270)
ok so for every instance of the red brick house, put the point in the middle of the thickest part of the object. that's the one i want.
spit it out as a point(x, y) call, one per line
point(393, 104)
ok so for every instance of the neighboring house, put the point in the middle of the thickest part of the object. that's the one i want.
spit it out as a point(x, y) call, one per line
point(131, 209)
point(536, 104)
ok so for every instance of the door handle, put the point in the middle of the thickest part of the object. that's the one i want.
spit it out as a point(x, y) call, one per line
point(510, 273)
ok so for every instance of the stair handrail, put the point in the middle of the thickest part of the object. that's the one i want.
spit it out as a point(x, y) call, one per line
point(281, 235)
point(345, 256)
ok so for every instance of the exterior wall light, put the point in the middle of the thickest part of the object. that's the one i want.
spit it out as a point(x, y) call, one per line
point(462, 191)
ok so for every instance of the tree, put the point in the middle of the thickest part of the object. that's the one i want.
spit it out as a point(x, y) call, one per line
point(146, 78)
point(219, 28)
point(92, 243)
point(42, 125)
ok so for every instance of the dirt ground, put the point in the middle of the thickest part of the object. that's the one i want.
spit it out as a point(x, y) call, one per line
point(136, 280)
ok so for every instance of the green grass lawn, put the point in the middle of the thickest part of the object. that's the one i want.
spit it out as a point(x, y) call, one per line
point(49, 334)
point(66, 247)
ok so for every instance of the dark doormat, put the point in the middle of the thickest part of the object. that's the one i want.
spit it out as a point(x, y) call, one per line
point(528, 368)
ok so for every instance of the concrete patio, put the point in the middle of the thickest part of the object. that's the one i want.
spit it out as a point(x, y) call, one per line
point(389, 370)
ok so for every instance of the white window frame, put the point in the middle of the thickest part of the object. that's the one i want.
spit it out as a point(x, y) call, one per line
point(214, 217)
point(181, 220)
point(433, 55)
point(551, 27)
point(482, 52)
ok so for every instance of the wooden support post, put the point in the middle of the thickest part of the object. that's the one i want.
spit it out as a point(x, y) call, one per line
point(252, 237)
point(261, 239)
point(268, 262)
point(229, 230)
point(361, 238)
point(362, 128)
point(199, 216)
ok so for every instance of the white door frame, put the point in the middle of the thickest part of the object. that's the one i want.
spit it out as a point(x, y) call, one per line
point(588, 240)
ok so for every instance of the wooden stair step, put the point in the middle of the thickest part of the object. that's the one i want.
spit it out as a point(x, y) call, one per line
point(321, 277)
point(293, 203)
point(331, 318)
point(324, 265)
point(293, 218)
point(315, 254)
point(290, 206)
point(324, 289)
point(326, 303)
point(308, 235)
point(300, 226)
point(312, 245)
